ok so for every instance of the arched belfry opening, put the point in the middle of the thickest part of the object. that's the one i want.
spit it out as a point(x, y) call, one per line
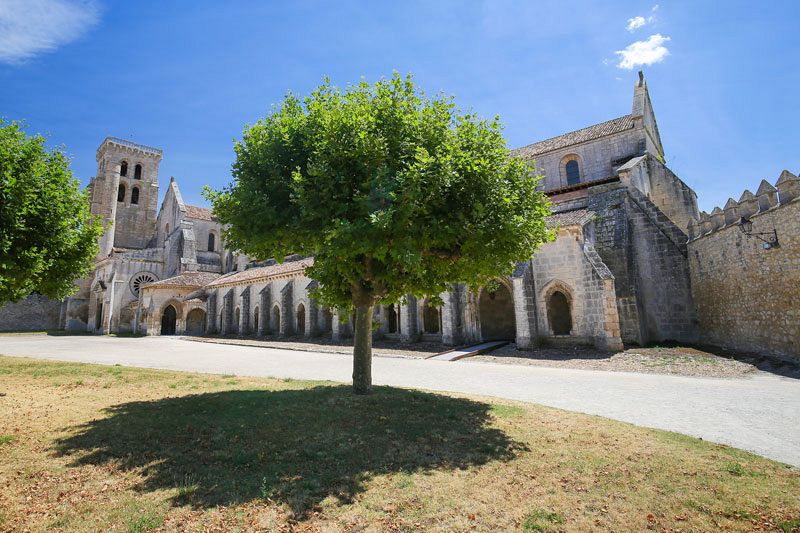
point(123, 169)
point(496, 311)
point(137, 172)
point(121, 193)
point(169, 319)
point(559, 313)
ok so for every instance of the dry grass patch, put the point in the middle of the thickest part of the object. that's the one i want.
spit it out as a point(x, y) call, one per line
point(94, 447)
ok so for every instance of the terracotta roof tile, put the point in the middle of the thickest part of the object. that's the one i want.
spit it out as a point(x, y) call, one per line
point(576, 137)
point(263, 272)
point(200, 213)
point(576, 217)
point(186, 279)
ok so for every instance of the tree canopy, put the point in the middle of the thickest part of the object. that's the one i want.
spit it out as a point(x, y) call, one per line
point(47, 237)
point(392, 192)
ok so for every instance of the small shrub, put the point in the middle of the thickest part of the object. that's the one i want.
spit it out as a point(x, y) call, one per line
point(540, 520)
point(6, 439)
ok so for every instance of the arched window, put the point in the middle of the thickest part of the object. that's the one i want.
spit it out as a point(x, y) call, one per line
point(210, 242)
point(121, 193)
point(573, 172)
point(137, 172)
point(135, 195)
point(123, 169)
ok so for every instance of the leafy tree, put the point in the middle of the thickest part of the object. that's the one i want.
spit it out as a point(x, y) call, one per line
point(47, 238)
point(393, 193)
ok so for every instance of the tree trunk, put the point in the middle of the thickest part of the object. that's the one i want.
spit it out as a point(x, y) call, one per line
point(362, 350)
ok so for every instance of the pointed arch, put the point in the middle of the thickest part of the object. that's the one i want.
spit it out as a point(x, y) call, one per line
point(121, 193)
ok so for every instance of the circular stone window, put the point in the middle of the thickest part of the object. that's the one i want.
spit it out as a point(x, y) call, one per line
point(141, 279)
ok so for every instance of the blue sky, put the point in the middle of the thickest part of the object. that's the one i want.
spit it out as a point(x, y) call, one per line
point(187, 76)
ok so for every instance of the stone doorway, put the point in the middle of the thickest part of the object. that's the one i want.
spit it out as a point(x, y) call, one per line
point(393, 319)
point(559, 313)
point(196, 322)
point(431, 319)
point(301, 319)
point(169, 319)
point(496, 311)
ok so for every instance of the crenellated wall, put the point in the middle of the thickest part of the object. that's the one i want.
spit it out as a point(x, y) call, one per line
point(747, 293)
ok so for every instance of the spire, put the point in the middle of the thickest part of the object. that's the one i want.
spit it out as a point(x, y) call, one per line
point(645, 118)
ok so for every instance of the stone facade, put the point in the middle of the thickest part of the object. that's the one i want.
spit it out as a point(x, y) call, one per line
point(747, 290)
point(618, 271)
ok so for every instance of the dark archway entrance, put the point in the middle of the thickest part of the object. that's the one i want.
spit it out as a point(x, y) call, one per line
point(393, 319)
point(497, 318)
point(559, 313)
point(98, 316)
point(275, 321)
point(431, 318)
point(168, 320)
point(327, 321)
point(196, 322)
point(301, 319)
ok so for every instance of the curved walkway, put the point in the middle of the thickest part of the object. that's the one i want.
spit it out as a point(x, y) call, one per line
point(758, 413)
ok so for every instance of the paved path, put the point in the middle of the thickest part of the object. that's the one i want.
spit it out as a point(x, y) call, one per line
point(759, 413)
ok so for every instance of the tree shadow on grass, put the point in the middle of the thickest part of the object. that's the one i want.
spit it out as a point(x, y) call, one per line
point(293, 446)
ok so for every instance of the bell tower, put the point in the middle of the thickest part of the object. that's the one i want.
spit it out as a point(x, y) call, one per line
point(125, 191)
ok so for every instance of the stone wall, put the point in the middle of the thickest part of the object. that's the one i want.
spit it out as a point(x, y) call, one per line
point(748, 297)
point(646, 252)
point(34, 313)
point(595, 158)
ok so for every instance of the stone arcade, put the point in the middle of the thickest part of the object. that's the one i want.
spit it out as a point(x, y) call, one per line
point(617, 273)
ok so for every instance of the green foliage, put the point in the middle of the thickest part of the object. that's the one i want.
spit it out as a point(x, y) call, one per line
point(393, 193)
point(47, 237)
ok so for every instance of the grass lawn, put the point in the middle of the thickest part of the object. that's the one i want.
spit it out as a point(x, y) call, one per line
point(90, 448)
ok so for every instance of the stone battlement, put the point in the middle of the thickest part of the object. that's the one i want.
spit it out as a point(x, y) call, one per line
point(767, 197)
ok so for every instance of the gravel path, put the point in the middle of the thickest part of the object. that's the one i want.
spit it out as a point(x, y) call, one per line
point(681, 361)
point(756, 413)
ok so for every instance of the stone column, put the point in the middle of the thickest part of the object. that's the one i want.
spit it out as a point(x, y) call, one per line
point(244, 313)
point(408, 320)
point(227, 312)
point(451, 319)
point(211, 313)
point(266, 310)
point(287, 309)
point(524, 313)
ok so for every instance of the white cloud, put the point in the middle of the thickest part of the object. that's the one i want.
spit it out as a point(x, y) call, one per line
point(635, 23)
point(643, 52)
point(32, 27)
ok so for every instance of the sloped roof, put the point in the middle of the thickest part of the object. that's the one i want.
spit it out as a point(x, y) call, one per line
point(263, 272)
point(186, 279)
point(576, 217)
point(200, 213)
point(576, 137)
